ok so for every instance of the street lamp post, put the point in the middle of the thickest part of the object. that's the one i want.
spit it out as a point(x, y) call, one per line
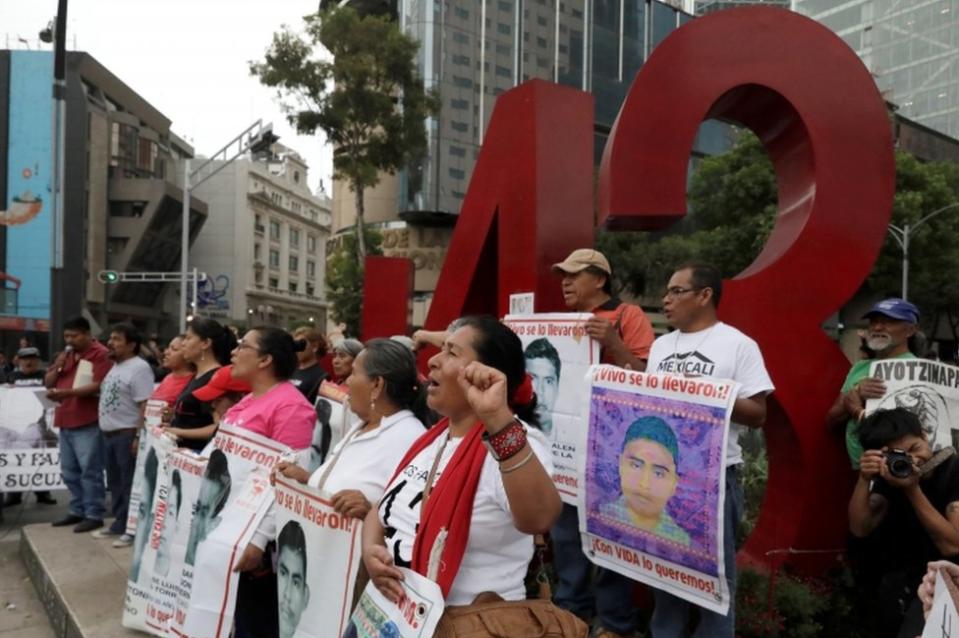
point(902, 234)
point(256, 137)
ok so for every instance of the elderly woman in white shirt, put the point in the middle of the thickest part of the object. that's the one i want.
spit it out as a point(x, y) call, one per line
point(390, 402)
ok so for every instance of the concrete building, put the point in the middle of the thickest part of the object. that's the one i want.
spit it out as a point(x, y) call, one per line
point(264, 244)
point(122, 204)
point(911, 48)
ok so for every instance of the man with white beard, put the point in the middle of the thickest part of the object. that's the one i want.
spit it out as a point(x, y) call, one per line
point(891, 324)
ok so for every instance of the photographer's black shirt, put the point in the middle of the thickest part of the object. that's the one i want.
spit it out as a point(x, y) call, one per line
point(907, 545)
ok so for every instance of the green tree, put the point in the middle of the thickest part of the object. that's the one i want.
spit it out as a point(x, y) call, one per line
point(369, 99)
point(344, 279)
point(732, 208)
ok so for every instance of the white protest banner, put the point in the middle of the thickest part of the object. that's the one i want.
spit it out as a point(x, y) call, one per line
point(414, 615)
point(149, 599)
point(29, 456)
point(943, 619)
point(235, 493)
point(929, 389)
point(318, 557)
point(152, 418)
point(558, 354)
point(654, 480)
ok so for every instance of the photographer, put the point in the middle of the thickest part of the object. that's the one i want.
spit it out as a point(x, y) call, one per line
point(904, 512)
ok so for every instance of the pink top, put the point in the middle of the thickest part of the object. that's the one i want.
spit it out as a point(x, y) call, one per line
point(282, 414)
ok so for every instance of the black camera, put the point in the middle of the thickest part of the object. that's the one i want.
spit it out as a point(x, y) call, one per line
point(899, 463)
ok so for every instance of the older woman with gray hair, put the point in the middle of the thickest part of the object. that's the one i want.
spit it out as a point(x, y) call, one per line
point(344, 354)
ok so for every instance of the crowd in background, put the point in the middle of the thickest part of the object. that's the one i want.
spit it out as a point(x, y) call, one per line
point(458, 456)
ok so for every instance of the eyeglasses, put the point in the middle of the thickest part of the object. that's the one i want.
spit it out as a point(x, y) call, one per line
point(248, 346)
point(676, 291)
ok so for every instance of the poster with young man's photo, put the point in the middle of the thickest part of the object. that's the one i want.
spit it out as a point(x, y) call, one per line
point(234, 495)
point(653, 468)
point(318, 557)
point(558, 353)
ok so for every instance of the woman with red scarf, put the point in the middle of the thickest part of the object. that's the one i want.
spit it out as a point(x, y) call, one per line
point(465, 502)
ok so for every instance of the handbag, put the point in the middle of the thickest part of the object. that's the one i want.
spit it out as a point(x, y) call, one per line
point(518, 619)
point(492, 617)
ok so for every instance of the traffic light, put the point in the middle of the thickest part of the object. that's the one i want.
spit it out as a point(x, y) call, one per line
point(108, 276)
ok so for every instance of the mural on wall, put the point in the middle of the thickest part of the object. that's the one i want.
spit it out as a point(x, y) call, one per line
point(26, 205)
point(25, 212)
point(211, 293)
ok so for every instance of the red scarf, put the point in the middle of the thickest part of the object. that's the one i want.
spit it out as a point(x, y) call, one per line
point(450, 503)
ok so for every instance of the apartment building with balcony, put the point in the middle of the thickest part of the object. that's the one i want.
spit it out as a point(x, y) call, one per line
point(263, 247)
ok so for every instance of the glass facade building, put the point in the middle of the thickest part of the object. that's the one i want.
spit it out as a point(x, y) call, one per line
point(909, 47)
point(473, 51)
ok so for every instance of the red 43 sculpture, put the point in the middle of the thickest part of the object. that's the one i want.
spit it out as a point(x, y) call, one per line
point(825, 127)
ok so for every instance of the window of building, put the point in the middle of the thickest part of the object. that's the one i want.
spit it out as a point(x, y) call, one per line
point(460, 12)
point(310, 268)
point(258, 227)
point(463, 83)
point(310, 289)
point(274, 231)
point(541, 21)
point(296, 177)
point(503, 28)
point(462, 60)
point(274, 283)
point(294, 237)
point(460, 38)
point(459, 104)
point(503, 72)
point(311, 244)
point(257, 251)
point(294, 285)
point(294, 263)
point(505, 6)
point(457, 173)
point(541, 42)
point(457, 151)
point(462, 127)
point(504, 49)
point(274, 259)
point(258, 276)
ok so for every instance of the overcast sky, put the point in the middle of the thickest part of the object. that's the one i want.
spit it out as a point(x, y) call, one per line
point(188, 58)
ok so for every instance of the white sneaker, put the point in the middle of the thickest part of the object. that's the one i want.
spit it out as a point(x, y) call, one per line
point(104, 533)
point(125, 540)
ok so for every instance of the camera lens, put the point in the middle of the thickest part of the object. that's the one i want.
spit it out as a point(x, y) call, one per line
point(900, 466)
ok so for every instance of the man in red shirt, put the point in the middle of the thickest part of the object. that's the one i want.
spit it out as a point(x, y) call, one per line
point(625, 335)
point(74, 380)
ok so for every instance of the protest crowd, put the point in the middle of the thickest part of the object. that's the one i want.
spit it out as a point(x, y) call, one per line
point(450, 474)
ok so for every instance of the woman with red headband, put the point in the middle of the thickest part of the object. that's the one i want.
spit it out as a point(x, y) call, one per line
point(465, 502)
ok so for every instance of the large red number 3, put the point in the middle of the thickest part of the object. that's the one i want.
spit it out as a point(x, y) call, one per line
point(825, 127)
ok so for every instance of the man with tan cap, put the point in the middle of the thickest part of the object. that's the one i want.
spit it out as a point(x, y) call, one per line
point(622, 329)
point(625, 334)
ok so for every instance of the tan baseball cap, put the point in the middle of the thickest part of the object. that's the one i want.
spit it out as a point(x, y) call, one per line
point(581, 259)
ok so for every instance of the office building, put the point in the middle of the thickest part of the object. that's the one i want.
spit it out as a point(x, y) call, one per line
point(909, 47)
point(122, 203)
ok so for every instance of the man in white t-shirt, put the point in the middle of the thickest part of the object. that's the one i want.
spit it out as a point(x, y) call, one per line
point(703, 346)
point(124, 390)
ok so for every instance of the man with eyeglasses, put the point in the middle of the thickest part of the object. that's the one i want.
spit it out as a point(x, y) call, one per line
point(625, 334)
point(703, 346)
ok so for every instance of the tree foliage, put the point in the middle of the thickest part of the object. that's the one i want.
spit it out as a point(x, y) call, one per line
point(368, 99)
point(344, 280)
point(732, 207)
